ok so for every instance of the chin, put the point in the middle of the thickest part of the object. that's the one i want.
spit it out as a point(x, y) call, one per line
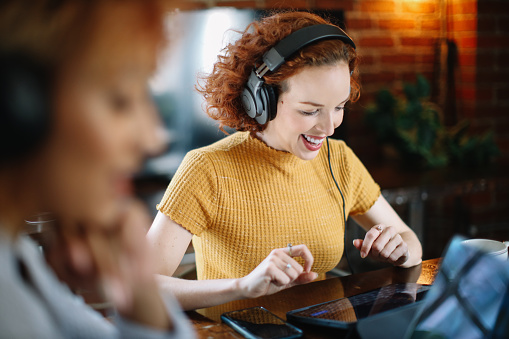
point(307, 155)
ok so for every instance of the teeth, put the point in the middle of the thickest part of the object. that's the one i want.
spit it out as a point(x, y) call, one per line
point(312, 140)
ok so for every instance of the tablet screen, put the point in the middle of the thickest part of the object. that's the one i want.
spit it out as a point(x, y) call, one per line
point(346, 311)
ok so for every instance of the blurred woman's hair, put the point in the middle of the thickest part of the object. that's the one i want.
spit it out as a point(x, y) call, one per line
point(223, 87)
point(54, 31)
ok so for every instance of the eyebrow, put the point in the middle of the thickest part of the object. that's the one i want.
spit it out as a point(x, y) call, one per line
point(320, 105)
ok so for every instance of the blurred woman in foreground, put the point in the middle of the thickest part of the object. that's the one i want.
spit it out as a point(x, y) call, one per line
point(75, 124)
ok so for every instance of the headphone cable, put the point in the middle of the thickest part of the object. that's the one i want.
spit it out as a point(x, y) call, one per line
point(343, 198)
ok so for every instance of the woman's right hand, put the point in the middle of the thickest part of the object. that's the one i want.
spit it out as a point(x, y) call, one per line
point(277, 272)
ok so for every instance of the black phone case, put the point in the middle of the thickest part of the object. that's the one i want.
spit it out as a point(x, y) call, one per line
point(238, 326)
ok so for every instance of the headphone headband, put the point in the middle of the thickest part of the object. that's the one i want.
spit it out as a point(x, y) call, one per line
point(277, 55)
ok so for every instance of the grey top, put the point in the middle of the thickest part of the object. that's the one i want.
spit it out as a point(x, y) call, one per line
point(47, 308)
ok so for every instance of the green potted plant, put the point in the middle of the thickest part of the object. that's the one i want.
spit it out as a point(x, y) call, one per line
point(412, 128)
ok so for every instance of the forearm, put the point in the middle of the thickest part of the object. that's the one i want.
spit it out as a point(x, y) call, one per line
point(414, 249)
point(193, 294)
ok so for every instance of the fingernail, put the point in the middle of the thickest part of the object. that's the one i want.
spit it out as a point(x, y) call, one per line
point(363, 255)
point(353, 242)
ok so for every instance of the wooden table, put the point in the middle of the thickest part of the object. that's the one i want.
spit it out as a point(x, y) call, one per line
point(207, 321)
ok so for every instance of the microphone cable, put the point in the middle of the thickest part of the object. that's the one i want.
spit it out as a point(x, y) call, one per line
point(343, 198)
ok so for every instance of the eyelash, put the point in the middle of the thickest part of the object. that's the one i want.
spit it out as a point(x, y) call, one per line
point(316, 111)
point(309, 113)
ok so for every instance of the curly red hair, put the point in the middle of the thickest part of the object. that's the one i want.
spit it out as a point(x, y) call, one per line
point(223, 87)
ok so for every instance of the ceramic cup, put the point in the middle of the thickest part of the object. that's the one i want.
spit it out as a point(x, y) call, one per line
point(495, 248)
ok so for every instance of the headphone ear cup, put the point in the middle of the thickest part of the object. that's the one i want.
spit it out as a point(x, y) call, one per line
point(24, 106)
point(249, 102)
point(269, 100)
point(272, 96)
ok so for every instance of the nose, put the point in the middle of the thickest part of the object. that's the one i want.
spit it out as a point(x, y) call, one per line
point(329, 121)
point(149, 130)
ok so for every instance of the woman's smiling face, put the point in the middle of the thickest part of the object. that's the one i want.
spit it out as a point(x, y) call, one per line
point(309, 110)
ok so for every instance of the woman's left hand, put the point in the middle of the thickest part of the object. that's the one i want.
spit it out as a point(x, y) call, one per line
point(383, 243)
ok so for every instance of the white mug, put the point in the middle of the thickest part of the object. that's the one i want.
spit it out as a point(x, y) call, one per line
point(495, 248)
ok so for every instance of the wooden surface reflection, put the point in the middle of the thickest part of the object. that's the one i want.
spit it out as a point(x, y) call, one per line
point(208, 324)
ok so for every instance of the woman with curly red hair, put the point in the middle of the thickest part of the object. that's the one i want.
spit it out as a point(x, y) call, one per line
point(247, 198)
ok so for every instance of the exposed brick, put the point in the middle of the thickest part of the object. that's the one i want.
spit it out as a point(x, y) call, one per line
point(430, 24)
point(346, 5)
point(398, 59)
point(191, 5)
point(467, 93)
point(464, 25)
point(367, 59)
point(378, 77)
point(462, 8)
point(411, 77)
point(237, 4)
point(376, 42)
point(469, 59)
point(467, 42)
point(396, 24)
point(417, 41)
point(281, 4)
point(359, 23)
point(467, 76)
point(419, 7)
point(377, 6)
point(427, 58)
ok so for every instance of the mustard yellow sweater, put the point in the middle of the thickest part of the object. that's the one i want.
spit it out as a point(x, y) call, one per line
point(241, 199)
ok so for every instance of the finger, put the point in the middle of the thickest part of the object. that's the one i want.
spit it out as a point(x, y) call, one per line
point(303, 252)
point(369, 239)
point(400, 255)
point(292, 272)
point(389, 248)
point(80, 257)
point(305, 278)
point(104, 252)
point(357, 243)
point(286, 264)
point(277, 276)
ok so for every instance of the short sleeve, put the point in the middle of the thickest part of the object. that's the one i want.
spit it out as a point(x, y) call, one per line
point(363, 191)
point(191, 197)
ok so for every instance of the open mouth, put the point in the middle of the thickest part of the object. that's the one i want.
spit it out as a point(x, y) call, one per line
point(312, 143)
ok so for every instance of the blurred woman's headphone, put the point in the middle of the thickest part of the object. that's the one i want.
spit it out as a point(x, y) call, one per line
point(24, 105)
point(259, 99)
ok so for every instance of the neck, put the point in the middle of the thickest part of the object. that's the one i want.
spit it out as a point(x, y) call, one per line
point(263, 137)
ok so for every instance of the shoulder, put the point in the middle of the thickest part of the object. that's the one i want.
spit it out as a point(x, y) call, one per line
point(229, 146)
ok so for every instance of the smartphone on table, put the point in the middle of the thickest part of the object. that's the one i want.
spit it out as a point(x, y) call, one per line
point(260, 323)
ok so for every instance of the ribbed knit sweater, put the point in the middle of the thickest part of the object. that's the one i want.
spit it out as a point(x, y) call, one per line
point(241, 199)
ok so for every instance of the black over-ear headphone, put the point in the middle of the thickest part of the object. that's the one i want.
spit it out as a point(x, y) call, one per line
point(24, 105)
point(259, 99)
